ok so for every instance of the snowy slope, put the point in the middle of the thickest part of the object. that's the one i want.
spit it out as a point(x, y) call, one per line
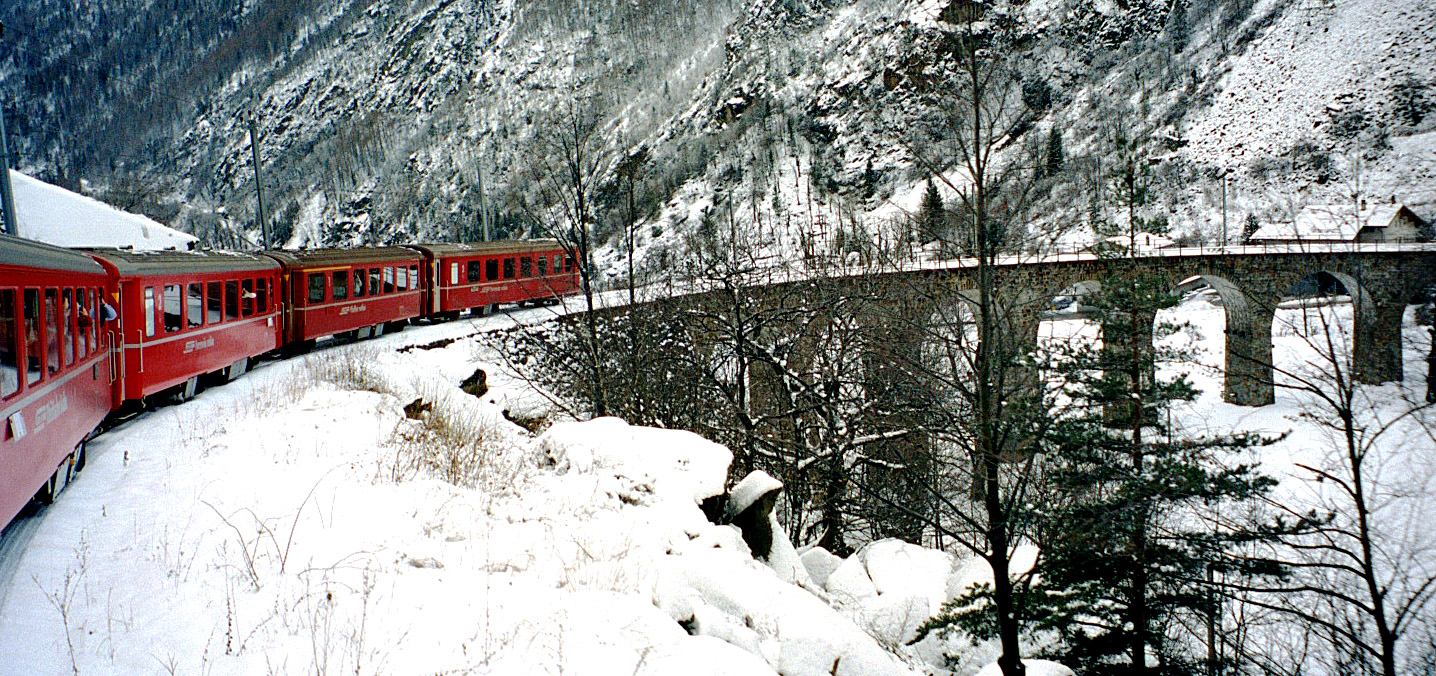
point(296, 522)
point(53, 215)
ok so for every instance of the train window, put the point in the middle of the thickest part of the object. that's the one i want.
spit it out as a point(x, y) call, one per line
point(526, 267)
point(359, 284)
point(475, 271)
point(149, 311)
point(491, 269)
point(53, 335)
point(174, 306)
point(81, 319)
point(67, 323)
point(261, 290)
point(388, 280)
point(341, 284)
point(508, 268)
point(557, 263)
point(374, 281)
point(246, 299)
point(542, 265)
point(231, 298)
point(194, 305)
point(453, 273)
point(316, 287)
point(9, 351)
point(568, 263)
point(98, 317)
point(413, 276)
point(34, 356)
point(214, 300)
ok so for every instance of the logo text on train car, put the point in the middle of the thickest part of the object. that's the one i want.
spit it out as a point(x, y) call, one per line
point(196, 345)
point(351, 309)
point(51, 411)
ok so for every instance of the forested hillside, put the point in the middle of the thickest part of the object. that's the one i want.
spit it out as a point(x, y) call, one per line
point(385, 121)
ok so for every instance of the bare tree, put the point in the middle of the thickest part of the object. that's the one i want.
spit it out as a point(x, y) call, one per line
point(1364, 579)
point(980, 385)
point(569, 164)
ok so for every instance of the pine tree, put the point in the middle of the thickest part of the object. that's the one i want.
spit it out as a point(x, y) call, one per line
point(1252, 225)
point(1125, 552)
point(931, 216)
point(1056, 157)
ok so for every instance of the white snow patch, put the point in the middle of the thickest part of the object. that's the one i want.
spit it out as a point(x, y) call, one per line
point(54, 215)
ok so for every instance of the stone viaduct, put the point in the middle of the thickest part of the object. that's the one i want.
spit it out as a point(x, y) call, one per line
point(1381, 279)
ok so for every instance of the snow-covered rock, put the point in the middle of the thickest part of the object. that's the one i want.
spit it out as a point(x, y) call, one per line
point(1034, 668)
point(820, 564)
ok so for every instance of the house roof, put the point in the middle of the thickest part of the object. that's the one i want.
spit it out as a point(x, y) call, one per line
point(1330, 223)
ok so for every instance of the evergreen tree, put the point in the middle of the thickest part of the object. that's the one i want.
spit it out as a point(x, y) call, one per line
point(931, 216)
point(1252, 225)
point(1126, 550)
point(1056, 156)
point(1126, 545)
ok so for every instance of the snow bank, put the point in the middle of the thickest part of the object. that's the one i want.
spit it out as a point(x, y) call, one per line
point(673, 460)
point(1034, 668)
point(53, 215)
point(707, 581)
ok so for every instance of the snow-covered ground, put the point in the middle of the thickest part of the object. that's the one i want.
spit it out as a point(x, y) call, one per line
point(54, 215)
point(295, 521)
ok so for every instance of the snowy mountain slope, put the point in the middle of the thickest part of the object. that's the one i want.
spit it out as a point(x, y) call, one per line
point(385, 121)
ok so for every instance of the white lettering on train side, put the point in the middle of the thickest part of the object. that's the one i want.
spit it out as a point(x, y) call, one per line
point(196, 345)
point(351, 309)
point(51, 411)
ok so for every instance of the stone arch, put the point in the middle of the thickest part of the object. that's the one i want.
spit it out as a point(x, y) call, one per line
point(1375, 327)
point(1248, 362)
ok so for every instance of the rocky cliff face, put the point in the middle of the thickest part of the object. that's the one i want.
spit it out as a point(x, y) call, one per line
point(382, 120)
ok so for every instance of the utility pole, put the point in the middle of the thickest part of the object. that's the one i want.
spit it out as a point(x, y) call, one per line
point(484, 205)
point(258, 183)
point(7, 196)
point(1224, 208)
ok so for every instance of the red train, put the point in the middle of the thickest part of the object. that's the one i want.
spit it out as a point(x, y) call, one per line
point(87, 333)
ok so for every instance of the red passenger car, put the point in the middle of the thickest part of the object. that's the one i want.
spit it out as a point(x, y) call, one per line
point(187, 314)
point(480, 276)
point(355, 292)
point(54, 367)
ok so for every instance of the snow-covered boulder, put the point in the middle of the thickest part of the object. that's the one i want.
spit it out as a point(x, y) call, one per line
point(663, 461)
point(750, 508)
point(723, 594)
point(1034, 668)
point(820, 564)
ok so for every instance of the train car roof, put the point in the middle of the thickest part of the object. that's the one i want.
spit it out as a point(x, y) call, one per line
point(29, 253)
point(149, 263)
point(321, 257)
point(487, 248)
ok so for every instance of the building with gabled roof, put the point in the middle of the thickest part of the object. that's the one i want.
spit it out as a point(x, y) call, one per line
point(1342, 223)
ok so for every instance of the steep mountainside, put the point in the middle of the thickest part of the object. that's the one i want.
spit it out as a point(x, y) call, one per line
point(385, 120)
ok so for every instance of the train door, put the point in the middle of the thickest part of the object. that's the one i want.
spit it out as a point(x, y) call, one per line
point(115, 331)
